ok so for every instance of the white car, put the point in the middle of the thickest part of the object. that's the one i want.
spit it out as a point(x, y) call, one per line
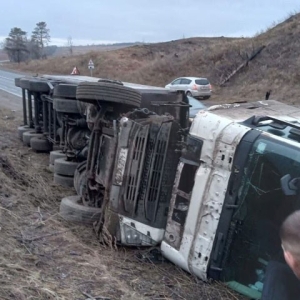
point(196, 87)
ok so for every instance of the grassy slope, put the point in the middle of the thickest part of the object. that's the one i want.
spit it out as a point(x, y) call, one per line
point(275, 68)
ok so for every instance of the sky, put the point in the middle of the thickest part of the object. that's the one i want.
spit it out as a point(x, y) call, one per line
point(112, 21)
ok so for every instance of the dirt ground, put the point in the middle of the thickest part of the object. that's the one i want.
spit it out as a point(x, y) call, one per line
point(44, 257)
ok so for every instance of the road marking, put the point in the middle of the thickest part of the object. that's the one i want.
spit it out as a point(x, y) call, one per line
point(11, 79)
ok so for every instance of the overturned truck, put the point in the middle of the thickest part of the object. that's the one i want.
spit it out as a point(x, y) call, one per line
point(213, 194)
point(129, 141)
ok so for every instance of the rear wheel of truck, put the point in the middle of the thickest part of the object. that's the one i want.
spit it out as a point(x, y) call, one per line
point(72, 209)
point(67, 181)
point(80, 180)
point(94, 92)
point(65, 167)
point(40, 144)
point(28, 135)
point(55, 155)
point(51, 168)
point(22, 130)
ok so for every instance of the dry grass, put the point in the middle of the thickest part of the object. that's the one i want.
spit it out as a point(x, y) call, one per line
point(276, 68)
point(44, 257)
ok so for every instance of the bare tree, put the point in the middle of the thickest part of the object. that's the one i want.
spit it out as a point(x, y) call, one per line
point(40, 35)
point(70, 45)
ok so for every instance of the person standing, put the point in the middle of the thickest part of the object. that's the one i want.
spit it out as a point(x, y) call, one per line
point(282, 282)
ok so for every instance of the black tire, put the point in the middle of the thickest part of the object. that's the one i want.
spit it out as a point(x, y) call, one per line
point(82, 107)
point(72, 210)
point(111, 81)
point(40, 86)
point(55, 155)
point(93, 92)
point(189, 94)
point(65, 105)
point(51, 168)
point(65, 91)
point(66, 181)
point(80, 179)
point(28, 135)
point(65, 167)
point(22, 130)
point(40, 144)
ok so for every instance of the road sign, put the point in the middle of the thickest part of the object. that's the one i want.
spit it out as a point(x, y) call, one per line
point(91, 64)
point(75, 71)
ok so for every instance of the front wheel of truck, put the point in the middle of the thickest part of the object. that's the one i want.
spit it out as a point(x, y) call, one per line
point(72, 209)
point(95, 92)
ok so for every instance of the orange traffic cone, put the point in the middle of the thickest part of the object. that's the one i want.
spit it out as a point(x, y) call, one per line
point(75, 71)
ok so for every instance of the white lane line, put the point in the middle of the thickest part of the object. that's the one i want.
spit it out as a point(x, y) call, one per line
point(8, 78)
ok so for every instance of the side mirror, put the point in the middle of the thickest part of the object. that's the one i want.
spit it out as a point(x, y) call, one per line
point(289, 185)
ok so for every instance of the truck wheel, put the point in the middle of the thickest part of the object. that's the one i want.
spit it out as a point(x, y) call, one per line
point(72, 209)
point(65, 105)
point(28, 135)
point(51, 168)
point(65, 167)
point(54, 155)
point(82, 106)
point(40, 144)
point(93, 92)
point(65, 91)
point(66, 181)
point(22, 130)
point(80, 180)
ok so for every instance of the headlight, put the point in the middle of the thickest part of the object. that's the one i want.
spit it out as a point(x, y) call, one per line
point(136, 238)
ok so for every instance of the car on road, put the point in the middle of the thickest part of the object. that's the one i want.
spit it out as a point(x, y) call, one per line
point(196, 87)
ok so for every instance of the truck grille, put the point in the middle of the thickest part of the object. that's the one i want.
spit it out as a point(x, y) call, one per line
point(136, 160)
point(150, 170)
point(157, 170)
point(132, 187)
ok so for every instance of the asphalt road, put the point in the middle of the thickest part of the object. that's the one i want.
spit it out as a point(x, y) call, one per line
point(14, 94)
point(10, 94)
point(7, 83)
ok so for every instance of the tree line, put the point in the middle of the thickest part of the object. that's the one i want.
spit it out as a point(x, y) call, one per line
point(21, 48)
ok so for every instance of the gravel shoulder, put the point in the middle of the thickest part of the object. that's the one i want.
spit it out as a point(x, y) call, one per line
point(10, 102)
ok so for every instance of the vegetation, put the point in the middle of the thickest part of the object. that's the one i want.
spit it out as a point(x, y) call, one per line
point(19, 48)
point(16, 45)
point(40, 37)
point(275, 68)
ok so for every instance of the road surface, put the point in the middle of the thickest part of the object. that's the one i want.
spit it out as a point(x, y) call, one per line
point(10, 94)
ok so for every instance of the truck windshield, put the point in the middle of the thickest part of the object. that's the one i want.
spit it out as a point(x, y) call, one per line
point(262, 206)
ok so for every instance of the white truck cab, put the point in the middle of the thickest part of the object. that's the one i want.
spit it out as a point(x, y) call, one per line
point(232, 191)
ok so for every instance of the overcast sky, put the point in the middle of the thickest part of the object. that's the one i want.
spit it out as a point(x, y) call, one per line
point(109, 21)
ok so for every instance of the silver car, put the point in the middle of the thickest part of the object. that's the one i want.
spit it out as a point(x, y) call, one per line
point(193, 86)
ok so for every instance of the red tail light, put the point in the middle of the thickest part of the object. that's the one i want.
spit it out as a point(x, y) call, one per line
point(195, 87)
point(210, 86)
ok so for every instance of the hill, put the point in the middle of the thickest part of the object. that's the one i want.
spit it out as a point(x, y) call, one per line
point(65, 50)
point(274, 68)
